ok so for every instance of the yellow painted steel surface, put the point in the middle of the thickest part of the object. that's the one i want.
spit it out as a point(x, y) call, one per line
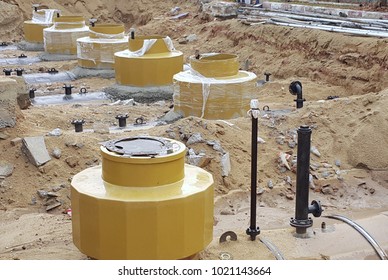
point(216, 98)
point(158, 47)
point(217, 65)
point(62, 37)
point(164, 221)
point(33, 32)
point(69, 22)
point(155, 67)
point(97, 51)
point(104, 30)
point(125, 171)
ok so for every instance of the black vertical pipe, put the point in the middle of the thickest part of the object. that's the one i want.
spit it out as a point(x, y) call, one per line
point(68, 89)
point(299, 101)
point(302, 178)
point(254, 173)
point(253, 230)
point(31, 93)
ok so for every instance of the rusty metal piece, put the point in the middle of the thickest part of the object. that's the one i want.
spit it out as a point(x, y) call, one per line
point(232, 235)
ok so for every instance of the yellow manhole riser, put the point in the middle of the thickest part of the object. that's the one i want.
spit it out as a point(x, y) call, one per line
point(214, 88)
point(217, 99)
point(97, 50)
point(219, 65)
point(62, 37)
point(125, 216)
point(33, 32)
point(155, 67)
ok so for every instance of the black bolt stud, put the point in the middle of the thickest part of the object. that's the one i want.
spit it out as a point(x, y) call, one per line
point(254, 230)
point(35, 7)
point(7, 72)
point(301, 221)
point(132, 32)
point(122, 120)
point(92, 22)
point(78, 125)
point(19, 71)
point(295, 88)
point(22, 56)
point(31, 93)
point(68, 89)
point(52, 71)
point(267, 75)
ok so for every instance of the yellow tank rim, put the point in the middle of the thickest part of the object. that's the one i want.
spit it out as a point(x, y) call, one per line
point(217, 65)
point(109, 29)
point(158, 47)
point(129, 170)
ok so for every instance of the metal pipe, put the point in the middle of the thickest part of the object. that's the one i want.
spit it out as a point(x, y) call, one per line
point(68, 89)
point(267, 75)
point(78, 125)
point(253, 230)
point(19, 72)
point(379, 250)
point(7, 72)
point(301, 221)
point(32, 93)
point(122, 120)
point(302, 176)
point(295, 88)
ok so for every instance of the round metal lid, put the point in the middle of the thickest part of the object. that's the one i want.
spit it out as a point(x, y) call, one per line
point(141, 146)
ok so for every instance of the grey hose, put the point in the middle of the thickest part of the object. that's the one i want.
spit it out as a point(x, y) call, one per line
point(272, 248)
point(379, 250)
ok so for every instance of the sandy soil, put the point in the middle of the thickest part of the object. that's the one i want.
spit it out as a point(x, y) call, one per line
point(351, 174)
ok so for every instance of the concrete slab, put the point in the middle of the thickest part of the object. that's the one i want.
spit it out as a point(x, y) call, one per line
point(6, 169)
point(35, 149)
point(338, 241)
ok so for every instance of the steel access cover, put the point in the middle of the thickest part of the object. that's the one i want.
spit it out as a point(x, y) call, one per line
point(141, 146)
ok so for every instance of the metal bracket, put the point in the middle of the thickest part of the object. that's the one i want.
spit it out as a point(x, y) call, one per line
point(232, 235)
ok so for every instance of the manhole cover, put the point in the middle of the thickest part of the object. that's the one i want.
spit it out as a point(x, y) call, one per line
point(141, 146)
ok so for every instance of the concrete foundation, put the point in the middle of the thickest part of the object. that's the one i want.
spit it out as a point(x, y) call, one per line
point(139, 94)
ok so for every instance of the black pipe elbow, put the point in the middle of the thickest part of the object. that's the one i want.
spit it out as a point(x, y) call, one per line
point(315, 208)
point(295, 88)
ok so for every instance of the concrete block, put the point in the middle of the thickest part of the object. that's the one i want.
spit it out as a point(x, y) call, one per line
point(22, 94)
point(35, 149)
point(8, 94)
point(221, 9)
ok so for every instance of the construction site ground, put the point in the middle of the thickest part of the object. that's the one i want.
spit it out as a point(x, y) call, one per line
point(350, 175)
